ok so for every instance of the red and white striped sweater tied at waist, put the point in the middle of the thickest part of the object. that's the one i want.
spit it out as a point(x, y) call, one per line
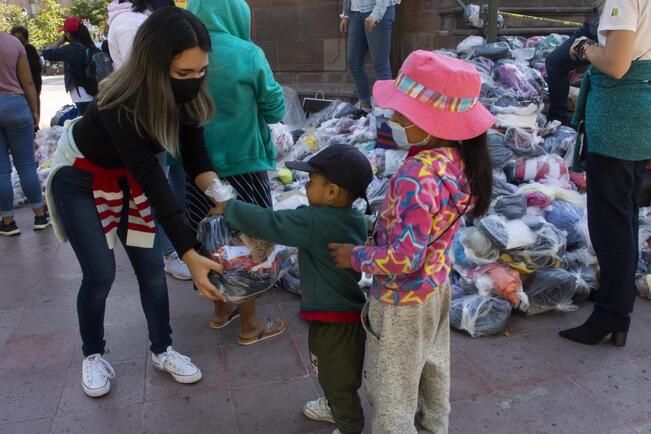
point(109, 200)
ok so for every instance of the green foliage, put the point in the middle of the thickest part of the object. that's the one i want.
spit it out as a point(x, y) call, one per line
point(94, 11)
point(10, 16)
point(45, 28)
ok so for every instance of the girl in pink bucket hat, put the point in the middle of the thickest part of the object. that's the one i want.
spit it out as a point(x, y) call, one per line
point(439, 119)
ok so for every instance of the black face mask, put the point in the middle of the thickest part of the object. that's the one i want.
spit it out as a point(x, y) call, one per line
point(187, 89)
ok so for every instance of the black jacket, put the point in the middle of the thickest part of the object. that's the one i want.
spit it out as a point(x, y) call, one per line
point(72, 56)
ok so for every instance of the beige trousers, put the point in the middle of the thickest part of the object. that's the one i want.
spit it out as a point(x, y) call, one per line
point(407, 366)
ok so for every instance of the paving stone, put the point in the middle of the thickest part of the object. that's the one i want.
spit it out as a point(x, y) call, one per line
point(505, 363)
point(48, 315)
point(31, 395)
point(160, 385)
point(466, 381)
point(127, 388)
point(8, 320)
point(624, 389)
point(192, 333)
point(29, 353)
point(210, 413)
point(557, 406)
point(35, 426)
point(291, 313)
point(275, 359)
point(128, 419)
point(281, 408)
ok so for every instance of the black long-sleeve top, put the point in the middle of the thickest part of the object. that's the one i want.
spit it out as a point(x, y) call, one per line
point(108, 138)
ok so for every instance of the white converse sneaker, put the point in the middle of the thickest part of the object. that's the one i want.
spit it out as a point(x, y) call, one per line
point(318, 410)
point(177, 268)
point(96, 376)
point(180, 366)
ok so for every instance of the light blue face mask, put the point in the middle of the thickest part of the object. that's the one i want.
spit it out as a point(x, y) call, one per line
point(400, 136)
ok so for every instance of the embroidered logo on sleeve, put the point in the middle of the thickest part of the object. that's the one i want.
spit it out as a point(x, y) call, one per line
point(615, 12)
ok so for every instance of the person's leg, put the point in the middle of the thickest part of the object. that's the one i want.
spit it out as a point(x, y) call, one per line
point(392, 369)
point(73, 197)
point(18, 127)
point(379, 42)
point(337, 354)
point(611, 212)
point(148, 267)
point(6, 189)
point(559, 64)
point(357, 51)
point(434, 390)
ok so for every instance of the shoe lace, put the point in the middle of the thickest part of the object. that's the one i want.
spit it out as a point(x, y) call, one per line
point(323, 406)
point(99, 366)
point(175, 358)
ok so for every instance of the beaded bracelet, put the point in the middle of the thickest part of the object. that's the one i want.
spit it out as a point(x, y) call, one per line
point(582, 47)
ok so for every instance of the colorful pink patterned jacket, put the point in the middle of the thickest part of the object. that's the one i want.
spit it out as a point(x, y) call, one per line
point(409, 260)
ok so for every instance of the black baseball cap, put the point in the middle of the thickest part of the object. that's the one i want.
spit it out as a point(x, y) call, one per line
point(343, 165)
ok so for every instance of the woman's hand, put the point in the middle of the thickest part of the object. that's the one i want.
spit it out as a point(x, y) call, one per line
point(370, 23)
point(343, 25)
point(342, 253)
point(573, 54)
point(199, 268)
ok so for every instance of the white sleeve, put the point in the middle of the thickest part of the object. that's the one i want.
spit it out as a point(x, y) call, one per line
point(620, 15)
point(124, 42)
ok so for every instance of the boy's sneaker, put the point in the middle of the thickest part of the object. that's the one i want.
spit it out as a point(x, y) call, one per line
point(8, 230)
point(336, 431)
point(318, 410)
point(96, 376)
point(177, 268)
point(41, 222)
point(180, 366)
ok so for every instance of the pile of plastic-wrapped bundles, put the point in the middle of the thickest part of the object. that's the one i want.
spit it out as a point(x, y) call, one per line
point(531, 252)
point(45, 143)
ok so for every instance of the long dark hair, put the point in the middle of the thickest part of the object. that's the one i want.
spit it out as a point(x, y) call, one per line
point(82, 35)
point(479, 173)
point(143, 85)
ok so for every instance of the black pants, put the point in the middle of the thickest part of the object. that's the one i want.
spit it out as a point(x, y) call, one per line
point(559, 64)
point(337, 354)
point(613, 188)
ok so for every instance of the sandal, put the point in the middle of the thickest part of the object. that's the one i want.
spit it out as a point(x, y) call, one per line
point(215, 325)
point(267, 332)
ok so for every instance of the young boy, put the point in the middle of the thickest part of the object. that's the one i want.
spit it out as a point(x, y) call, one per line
point(331, 298)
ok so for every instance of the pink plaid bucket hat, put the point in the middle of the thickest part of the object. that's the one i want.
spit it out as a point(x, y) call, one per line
point(439, 94)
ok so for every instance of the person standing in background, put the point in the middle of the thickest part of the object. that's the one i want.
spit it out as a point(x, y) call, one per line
point(368, 24)
point(34, 60)
point(247, 98)
point(615, 107)
point(79, 85)
point(18, 116)
point(124, 19)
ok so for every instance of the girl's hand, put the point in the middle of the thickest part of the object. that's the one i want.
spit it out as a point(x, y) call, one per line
point(370, 23)
point(343, 25)
point(342, 253)
point(199, 268)
point(573, 53)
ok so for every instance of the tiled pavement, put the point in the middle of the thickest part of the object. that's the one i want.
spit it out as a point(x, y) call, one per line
point(530, 381)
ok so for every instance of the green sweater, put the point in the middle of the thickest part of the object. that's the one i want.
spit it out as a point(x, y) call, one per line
point(617, 113)
point(324, 288)
point(246, 95)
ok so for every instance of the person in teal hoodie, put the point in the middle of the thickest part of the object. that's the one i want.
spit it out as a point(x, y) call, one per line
point(247, 99)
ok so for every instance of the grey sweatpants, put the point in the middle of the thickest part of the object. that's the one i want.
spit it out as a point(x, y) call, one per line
point(407, 366)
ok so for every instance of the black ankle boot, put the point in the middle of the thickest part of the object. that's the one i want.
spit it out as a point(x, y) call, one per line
point(590, 334)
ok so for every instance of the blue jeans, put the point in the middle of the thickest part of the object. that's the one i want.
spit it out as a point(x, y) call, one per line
point(176, 177)
point(559, 64)
point(360, 41)
point(17, 136)
point(72, 193)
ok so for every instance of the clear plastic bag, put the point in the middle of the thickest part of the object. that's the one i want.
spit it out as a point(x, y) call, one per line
point(523, 142)
point(294, 114)
point(570, 218)
point(471, 42)
point(472, 247)
point(500, 154)
point(501, 186)
point(517, 78)
point(545, 252)
point(282, 138)
point(560, 141)
point(494, 51)
point(250, 267)
point(545, 167)
point(220, 191)
point(551, 289)
point(643, 285)
point(480, 316)
point(502, 281)
point(512, 207)
point(506, 234)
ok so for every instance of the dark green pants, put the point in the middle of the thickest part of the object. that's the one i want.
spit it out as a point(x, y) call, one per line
point(337, 354)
